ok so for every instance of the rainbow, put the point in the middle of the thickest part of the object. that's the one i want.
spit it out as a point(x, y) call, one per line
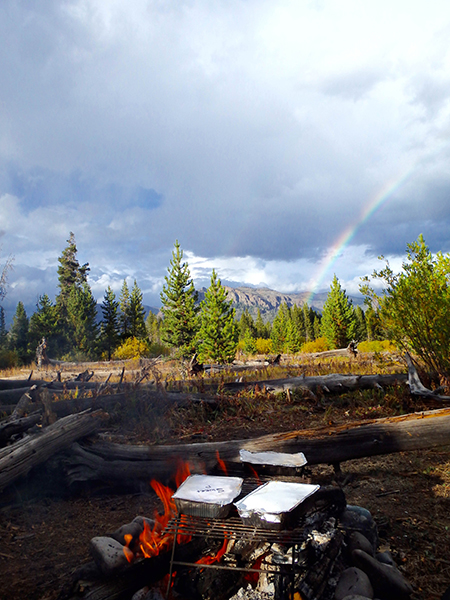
point(346, 236)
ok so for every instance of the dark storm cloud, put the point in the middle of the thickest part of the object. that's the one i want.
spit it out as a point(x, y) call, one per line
point(247, 130)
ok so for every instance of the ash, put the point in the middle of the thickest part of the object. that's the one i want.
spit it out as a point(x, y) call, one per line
point(251, 594)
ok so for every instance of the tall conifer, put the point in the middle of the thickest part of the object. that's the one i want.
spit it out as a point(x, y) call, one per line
point(218, 333)
point(338, 317)
point(179, 306)
point(110, 322)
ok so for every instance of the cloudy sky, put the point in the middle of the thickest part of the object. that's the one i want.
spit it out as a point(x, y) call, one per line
point(279, 141)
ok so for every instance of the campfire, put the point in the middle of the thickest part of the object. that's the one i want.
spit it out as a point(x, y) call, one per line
point(270, 536)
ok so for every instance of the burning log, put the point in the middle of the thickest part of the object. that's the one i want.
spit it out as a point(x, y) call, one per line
point(117, 463)
point(18, 459)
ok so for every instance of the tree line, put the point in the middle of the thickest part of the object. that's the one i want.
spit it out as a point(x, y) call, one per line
point(411, 311)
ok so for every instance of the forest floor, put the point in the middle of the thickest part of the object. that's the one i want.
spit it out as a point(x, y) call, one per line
point(45, 536)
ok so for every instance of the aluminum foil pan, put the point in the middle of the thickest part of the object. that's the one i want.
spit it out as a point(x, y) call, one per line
point(275, 459)
point(274, 505)
point(207, 495)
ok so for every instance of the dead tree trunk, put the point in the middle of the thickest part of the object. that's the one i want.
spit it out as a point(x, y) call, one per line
point(116, 463)
point(18, 459)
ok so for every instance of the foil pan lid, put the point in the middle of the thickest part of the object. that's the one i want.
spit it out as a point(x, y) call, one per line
point(210, 489)
point(276, 459)
point(275, 497)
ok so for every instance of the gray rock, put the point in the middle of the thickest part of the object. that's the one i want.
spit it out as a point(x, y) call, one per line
point(387, 581)
point(385, 558)
point(358, 541)
point(353, 581)
point(144, 520)
point(134, 529)
point(141, 594)
point(108, 554)
point(356, 597)
point(356, 518)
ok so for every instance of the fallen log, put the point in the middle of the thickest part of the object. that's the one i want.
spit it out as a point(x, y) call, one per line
point(16, 460)
point(11, 384)
point(124, 464)
point(332, 383)
point(11, 426)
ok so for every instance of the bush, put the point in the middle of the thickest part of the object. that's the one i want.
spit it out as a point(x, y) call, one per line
point(8, 359)
point(263, 346)
point(376, 346)
point(318, 345)
point(132, 348)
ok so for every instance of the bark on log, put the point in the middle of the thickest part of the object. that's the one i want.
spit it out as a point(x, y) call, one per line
point(18, 459)
point(116, 463)
point(12, 384)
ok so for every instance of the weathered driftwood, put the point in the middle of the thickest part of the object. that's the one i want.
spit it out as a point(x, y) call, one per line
point(13, 426)
point(16, 460)
point(333, 383)
point(116, 463)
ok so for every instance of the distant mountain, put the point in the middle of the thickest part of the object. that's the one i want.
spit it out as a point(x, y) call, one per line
point(268, 301)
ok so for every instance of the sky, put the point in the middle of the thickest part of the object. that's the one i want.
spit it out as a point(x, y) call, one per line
point(281, 142)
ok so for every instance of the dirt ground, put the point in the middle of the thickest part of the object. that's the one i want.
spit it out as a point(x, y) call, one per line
point(45, 537)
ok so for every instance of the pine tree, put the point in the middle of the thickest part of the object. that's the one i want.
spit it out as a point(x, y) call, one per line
point(82, 312)
point(360, 325)
point(279, 329)
point(293, 340)
point(338, 317)
point(18, 334)
point(124, 318)
point(261, 329)
point(308, 316)
point(110, 322)
point(137, 313)
point(218, 333)
point(179, 306)
point(70, 276)
point(3, 332)
point(43, 324)
point(246, 323)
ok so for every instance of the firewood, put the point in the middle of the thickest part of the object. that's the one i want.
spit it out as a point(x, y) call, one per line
point(16, 460)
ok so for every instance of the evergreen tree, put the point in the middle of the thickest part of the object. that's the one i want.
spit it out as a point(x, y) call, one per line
point(293, 339)
point(317, 326)
point(279, 329)
point(218, 332)
point(82, 312)
point(18, 334)
point(308, 315)
point(360, 324)
point(179, 306)
point(110, 322)
point(261, 329)
point(70, 273)
point(43, 324)
point(124, 304)
point(338, 317)
point(246, 323)
point(70, 276)
point(3, 332)
point(374, 327)
point(137, 313)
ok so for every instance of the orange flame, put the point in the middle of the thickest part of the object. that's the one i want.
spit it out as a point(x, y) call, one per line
point(222, 465)
point(255, 474)
point(151, 540)
point(209, 560)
